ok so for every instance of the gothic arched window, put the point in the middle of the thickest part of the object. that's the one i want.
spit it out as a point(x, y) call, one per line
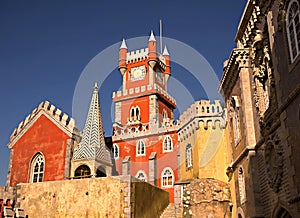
point(116, 151)
point(293, 28)
point(167, 178)
point(167, 144)
point(141, 175)
point(241, 181)
point(83, 171)
point(37, 168)
point(140, 148)
point(188, 156)
point(135, 114)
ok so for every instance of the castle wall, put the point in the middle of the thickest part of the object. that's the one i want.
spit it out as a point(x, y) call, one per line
point(93, 197)
point(45, 137)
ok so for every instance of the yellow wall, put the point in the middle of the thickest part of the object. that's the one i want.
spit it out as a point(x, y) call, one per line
point(210, 153)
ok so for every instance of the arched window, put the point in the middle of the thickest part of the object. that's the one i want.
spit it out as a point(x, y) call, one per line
point(167, 178)
point(236, 119)
point(83, 171)
point(167, 144)
point(241, 180)
point(293, 28)
point(140, 148)
point(37, 168)
point(141, 175)
point(116, 151)
point(188, 156)
point(164, 114)
point(135, 114)
point(101, 172)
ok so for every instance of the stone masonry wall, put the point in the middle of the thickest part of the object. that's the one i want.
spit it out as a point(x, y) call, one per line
point(93, 197)
point(206, 198)
point(97, 197)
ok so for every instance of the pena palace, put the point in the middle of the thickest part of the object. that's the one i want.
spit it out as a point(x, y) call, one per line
point(238, 159)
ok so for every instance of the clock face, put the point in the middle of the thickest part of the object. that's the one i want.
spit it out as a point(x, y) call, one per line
point(138, 73)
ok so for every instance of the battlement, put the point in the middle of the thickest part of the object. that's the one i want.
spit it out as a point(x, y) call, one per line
point(66, 122)
point(203, 108)
point(201, 111)
point(143, 90)
point(137, 55)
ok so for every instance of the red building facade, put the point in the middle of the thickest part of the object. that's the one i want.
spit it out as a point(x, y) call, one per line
point(145, 136)
point(39, 147)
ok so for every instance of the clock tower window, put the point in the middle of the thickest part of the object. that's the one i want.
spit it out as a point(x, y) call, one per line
point(135, 114)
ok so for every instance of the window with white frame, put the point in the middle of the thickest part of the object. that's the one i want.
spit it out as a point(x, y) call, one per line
point(140, 148)
point(241, 180)
point(293, 29)
point(37, 168)
point(167, 178)
point(116, 151)
point(141, 175)
point(135, 114)
point(188, 156)
point(167, 144)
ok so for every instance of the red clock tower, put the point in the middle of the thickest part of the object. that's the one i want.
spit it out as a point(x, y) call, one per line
point(145, 136)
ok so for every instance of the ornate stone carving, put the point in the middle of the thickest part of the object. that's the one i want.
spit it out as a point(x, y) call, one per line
point(263, 81)
point(274, 162)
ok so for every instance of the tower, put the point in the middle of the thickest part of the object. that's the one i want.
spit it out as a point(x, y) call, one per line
point(92, 157)
point(144, 138)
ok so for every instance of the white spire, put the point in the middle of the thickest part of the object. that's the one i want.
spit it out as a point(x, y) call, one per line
point(123, 45)
point(92, 144)
point(166, 51)
point(152, 38)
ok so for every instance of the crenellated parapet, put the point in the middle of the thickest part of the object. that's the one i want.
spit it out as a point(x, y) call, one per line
point(137, 55)
point(201, 111)
point(55, 114)
point(143, 90)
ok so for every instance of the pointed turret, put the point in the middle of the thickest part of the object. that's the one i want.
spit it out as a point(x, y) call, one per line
point(152, 50)
point(92, 146)
point(152, 38)
point(167, 58)
point(122, 57)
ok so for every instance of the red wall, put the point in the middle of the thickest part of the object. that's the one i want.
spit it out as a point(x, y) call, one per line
point(45, 137)
point(153, 144)
point(142, 102)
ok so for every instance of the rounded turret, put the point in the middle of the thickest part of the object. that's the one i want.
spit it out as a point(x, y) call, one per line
point(122, 57)
point(152, 57)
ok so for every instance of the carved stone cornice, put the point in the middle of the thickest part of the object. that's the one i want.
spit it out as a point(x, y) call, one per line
point(239, 58)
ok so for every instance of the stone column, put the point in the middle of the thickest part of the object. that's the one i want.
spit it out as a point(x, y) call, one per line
point(152, 169)
point(126, 166)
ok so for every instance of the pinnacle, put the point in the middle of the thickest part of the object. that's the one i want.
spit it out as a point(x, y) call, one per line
point(123, 45)
point(166, 51)
point(152, 38)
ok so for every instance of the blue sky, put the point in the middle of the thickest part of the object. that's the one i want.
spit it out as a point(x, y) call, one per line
point(46, 45)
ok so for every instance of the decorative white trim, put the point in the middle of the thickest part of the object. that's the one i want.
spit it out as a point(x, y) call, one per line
point(37, 157)
point(25, 125)
point(141, 172)
point(167, 144)
point(164, 178)
point(140, 151)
